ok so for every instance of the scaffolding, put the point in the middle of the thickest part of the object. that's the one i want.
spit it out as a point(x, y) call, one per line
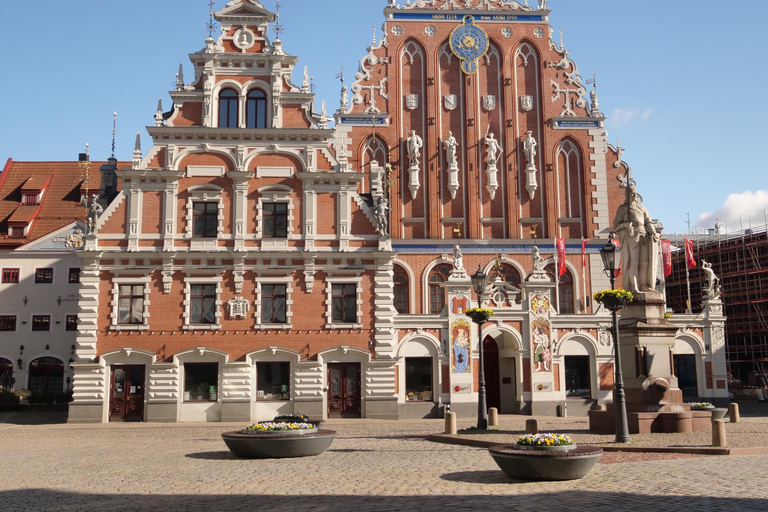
point(740, 260)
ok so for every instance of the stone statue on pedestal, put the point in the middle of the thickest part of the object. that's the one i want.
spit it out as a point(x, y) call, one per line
point(639, 243)
point(382, 206)
point(414, 148)
point(492, 149)
point(458, 259)
point(712, 283)
point(450, 150)
point(94, 210)
point(529, 148)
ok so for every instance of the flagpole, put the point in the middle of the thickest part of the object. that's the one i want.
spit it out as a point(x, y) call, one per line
point(688, 284)
point(557, 277)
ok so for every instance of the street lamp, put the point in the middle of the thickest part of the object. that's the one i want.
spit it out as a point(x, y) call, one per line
point(479, 281)
point(610, 254)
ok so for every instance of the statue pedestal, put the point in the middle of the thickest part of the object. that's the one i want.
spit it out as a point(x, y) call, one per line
point(531, 184)
point(413, 180)
point(453, 180)
point(492, 180)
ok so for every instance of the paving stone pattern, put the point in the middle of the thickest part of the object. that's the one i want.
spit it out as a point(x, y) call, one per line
point(370, 466)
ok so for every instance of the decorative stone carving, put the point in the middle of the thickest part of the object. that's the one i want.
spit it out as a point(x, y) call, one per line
point(529, 149)
point(493, 153)
point(74, 240)
point(238, 307)
point(526, 103)
point(458, 260)
point(489, 102)
point(94, 210)
point(411, 101)
point(381, 216)
point(451, 147)
point(639, 243)
point(414, 145)
point(538, 262)
point(450, 101)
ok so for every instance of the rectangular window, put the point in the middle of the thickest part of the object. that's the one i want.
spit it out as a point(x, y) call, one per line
point(10, 275)
point(273, 303)
point(203, 309)
point(44, 276)
point(577, 376)
point(71, 323)
point(418, 379)
point(206, 219)
point(8, 323)
point(344, 303)
point(130, 304)
point(41, 323)
point(74, 276)
point(201, 381)
point(275, 220)
point(273, 381)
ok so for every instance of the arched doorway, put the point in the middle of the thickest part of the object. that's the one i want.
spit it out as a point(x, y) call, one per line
point(492, 381)
point(501, 355)
point(6, 376)
point(46, 376)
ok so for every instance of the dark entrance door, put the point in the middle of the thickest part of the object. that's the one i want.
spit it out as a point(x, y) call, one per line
point(492, 382)
point(126, 401)
point(685, 371)
point(344, 390)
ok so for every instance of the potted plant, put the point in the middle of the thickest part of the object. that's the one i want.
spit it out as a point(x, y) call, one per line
point(555, 442)
point(479, 315)
point(273, 440)
point(295, 418)
point(614, 299)
point(701, 406)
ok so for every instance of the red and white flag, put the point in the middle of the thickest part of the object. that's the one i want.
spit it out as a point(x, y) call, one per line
point(689, 258)
point(561, 268)
point(584, 242)
point(666, 257)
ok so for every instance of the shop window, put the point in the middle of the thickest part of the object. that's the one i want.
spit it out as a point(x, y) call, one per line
point(206, 219)
point(203, 300)
point(437, 276)
point(418, 379)
point(256, 109)
point(44, 276)
point(273, 381)
point(273, 303)
point(577, 381)
point(71, 323)
point(10, 275)
point(228, 101)
point(201, 381)
point(74, 276)
point(131, 304)
point(8, 323)
point(344, 303)
point(275, 220)
point(41, 322)
point(6, 376)
point(46, 377)
point(401, 290)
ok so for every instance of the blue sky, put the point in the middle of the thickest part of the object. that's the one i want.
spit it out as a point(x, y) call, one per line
point(682, 82)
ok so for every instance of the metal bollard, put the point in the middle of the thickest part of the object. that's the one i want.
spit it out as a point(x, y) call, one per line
point(718, 433)
point(493, 417)
point(531, 427)
point(450, 423)
point(733, 412)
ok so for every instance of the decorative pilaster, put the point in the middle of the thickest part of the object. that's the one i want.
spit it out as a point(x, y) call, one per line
point(384, 322)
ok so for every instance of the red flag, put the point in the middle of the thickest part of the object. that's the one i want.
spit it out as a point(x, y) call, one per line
point(689, 259)
point(666, 257)
point(561, 268)
point(584, 242)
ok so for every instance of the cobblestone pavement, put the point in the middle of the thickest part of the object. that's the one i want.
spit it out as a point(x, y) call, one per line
point(372, 465)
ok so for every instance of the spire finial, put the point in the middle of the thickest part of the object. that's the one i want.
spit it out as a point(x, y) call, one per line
point(159, 113)
point(562, 46)
point(180, 78)
point(374, 36)
point(114, 133)
point(211, 25)
point(278, 26)
point(340, 75)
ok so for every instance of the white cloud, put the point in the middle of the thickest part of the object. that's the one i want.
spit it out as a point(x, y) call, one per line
point(626, 116)
point(752, 204)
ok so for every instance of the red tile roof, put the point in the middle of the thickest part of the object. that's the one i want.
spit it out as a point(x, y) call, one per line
point(61, 202)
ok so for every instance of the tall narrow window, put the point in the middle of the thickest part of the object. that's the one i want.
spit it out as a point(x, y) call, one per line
point(256, 109)
point(203, 309)
point(206, 219)
point(564, 291)
point(228, 109)
point(437, 277)
point(275, 220)
point(273, 303)
point(344, 303)
point(577, 382)
point(401, 290)
point(130, 304)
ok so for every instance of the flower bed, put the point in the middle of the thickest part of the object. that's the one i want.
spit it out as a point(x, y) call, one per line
point(701, 405)
point(544, 440)
point(271, 426)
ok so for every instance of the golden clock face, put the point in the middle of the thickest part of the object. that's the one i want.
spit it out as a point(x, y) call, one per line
point(469, 42)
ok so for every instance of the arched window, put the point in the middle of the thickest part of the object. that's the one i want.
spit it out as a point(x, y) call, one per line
point(256, 109)
point(437, 276)
point(401, 290)
point(507, 273)
point(46, 376)
point(6, 375)
point(564, 291)
point(228, 109)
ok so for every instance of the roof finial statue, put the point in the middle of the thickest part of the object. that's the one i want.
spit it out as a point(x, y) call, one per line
point(159, 113)
point(114, 133)
point(373, 41)
point(305, 81)
point(344, 101)
point(595, 106)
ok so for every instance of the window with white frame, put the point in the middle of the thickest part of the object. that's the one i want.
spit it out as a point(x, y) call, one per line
point(273, 303)
point(344, 303)
point(130, 303)
point(201, 382)
point(275, 216)
point(205, 215)
point(202, 303)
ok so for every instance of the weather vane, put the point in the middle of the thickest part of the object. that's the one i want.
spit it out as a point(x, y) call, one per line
point(114, 132)
point(211, 25)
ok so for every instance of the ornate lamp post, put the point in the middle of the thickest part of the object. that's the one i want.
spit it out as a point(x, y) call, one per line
point(479, 281)
point(610, 254)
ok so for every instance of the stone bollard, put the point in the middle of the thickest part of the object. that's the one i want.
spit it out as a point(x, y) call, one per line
point(531, 427)
point(718, 433)
point(601, 407)
point(493, 417)
point(733, 412)
point(450, 423)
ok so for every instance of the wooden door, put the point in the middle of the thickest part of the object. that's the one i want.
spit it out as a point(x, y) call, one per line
point(344, 390)
point(126, 401)
point(492, 381)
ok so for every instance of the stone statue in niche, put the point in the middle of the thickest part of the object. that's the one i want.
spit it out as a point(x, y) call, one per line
point(450, 150)
point(382, 207)
point(639, 243)
point(492, 149)
point(712, 282)
point(529, 148)
point(415, 144)
point(344, 100)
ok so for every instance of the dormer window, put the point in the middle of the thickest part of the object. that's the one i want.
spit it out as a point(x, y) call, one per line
point(256, 109)
point(228, 100)
point(16, 232)
point(31, 199)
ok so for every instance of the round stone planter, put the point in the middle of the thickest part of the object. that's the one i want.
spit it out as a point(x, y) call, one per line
point(279, 444)
point(546, 464)
point(718, 413)
point(526, 448)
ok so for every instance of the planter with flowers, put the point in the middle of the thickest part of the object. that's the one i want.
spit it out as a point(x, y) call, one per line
point(296, 418)
point(274, 440)
point(479, 315)
point(717, 412)
point(614, 299)
point(545, 457)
